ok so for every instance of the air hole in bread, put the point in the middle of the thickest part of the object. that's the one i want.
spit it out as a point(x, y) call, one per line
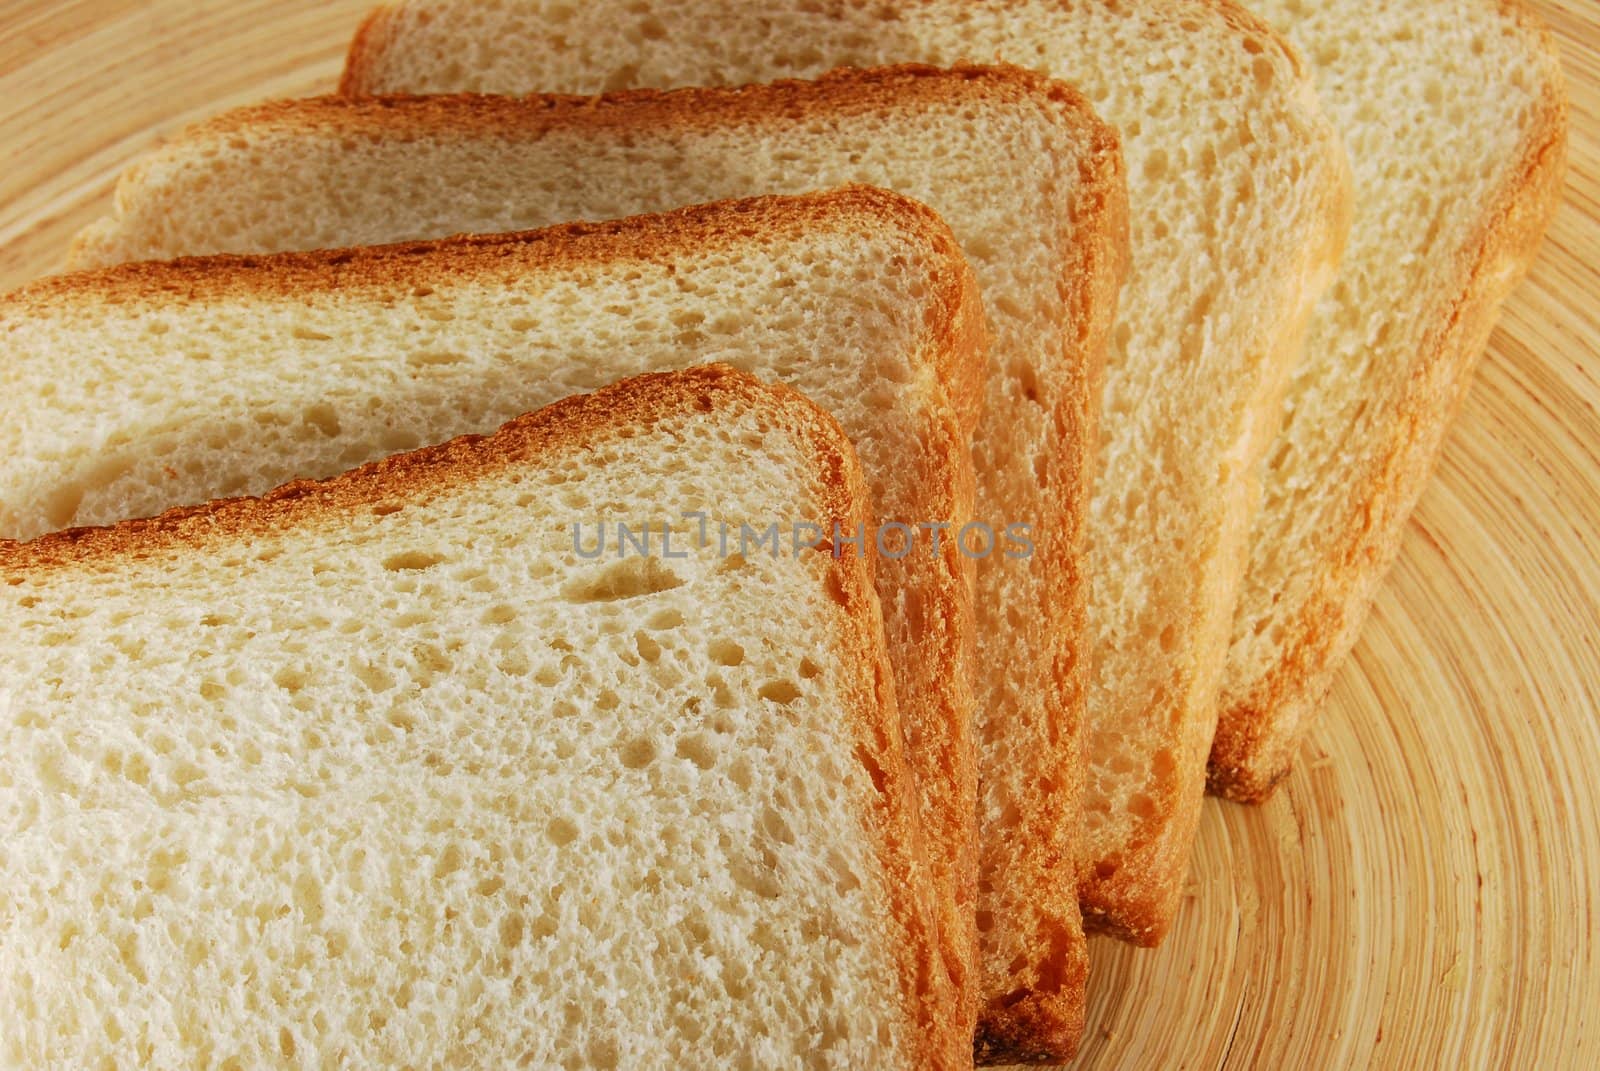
point(774, 825)
point(430, 661)
point(628, 579)
point(432, 358)
point(514, 663)
point(638, 753)
point(561, 831)
point(1264, 74)
point(664, 620)
point(289, 679)
point(376, 678)
point(411, 561)
point(740, 773)
point(499, 614)
point(759, 879)
point(324, 418)
point(449, 862)
point(783, 692)
point(697, 749)
point(874, 770)
point(61, 505)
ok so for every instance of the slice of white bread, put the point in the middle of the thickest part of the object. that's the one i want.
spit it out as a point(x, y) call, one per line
point(172, 383)
point(1454, 114)
point(382, 771)
point(1238, 198)
point(1031, 185)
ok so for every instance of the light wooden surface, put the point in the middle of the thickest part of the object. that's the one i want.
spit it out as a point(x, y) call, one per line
point(1425, 890)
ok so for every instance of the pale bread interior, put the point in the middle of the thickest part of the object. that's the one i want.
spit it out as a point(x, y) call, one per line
point(1235, 184)
point(392, 776)
point(304, 366)
point(1028, 182)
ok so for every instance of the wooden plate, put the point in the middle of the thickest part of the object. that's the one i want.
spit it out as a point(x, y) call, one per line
point(1425, 890)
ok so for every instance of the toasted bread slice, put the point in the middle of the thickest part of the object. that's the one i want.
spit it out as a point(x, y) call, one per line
point(1455, 118)
point(1031, 185)
point(384, 770)
point(1239, 205)
point(233, 375)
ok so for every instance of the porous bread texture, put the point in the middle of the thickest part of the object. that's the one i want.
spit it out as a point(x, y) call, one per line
point(1032, 187)
point(231, 376)
point(1454, 114)
point(382, 771)
point(1239, 197)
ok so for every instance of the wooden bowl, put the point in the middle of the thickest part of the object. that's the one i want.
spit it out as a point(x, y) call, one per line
point(1424, 891)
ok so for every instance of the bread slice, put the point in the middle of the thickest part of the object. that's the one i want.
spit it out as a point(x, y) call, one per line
point(1239, 205)
point(1455, 118)
point(1031, 185)
point(384, 771)
point(207, 377)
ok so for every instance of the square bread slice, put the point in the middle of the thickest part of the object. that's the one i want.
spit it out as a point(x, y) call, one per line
point(172, 383)
point(385, 770)
point(1239, 199)
point(1455, 117)
point(1031, 185)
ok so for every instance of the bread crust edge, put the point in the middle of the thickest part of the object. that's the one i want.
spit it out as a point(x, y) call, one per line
point(1264, 719)
point(571, 424)
point(1136, 897)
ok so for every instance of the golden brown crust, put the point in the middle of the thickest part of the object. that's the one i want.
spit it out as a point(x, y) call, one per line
point(1145, 888)
point(1133, 894)
point(846, 92)
point(938, 1040)
point(1037, 1014)
point(875, 92)
point(953, 343)
point(656, 236)
point(843, 93)
point(369, 43)
point(1260, 727)
point(574, 424)
point(957, 319)
point(942, 753)
point(401, 478)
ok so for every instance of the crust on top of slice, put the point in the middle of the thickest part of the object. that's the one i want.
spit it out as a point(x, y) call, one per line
point(730, 228)
point(1031, 183)
point(857, 296)
point(336, 818)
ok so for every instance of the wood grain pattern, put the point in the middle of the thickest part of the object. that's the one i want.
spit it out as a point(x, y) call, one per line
point(1425, 890)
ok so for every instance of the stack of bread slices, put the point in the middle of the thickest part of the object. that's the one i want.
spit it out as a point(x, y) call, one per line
point(708, 534)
